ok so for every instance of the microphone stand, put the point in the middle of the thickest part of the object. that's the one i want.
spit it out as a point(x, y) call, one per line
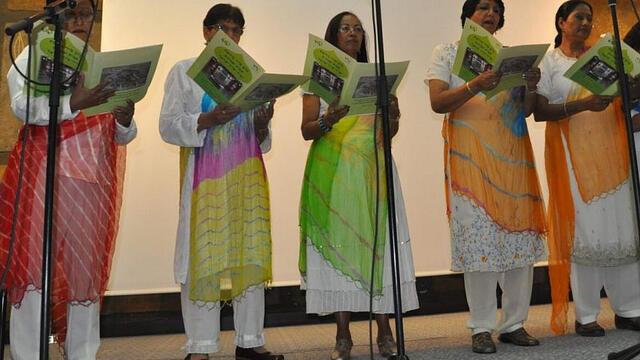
point(383, 102)
point(53, 12)
point(632, 352)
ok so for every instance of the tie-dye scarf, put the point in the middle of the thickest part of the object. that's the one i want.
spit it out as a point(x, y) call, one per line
point(230, 231)
point(490, 161)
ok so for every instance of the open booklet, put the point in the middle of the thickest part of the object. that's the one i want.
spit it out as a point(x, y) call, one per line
point(229, 75)
point(479, 51)
point(596, 69)
point(128, 72)
point(335, 73)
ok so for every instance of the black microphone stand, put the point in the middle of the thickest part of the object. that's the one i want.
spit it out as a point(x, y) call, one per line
point(629, 353)
point(383, 102)
point(53, 12)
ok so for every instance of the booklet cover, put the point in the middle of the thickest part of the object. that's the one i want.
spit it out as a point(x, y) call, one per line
point(479, 51)
point(129, 72)
point(334, 73)
point(229, 75)
point(596, 69)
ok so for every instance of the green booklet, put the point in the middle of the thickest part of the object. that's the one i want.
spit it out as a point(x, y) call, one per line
point(229, 75)
point(334, 73)
point(479, 51)
point(596, 69)
point(129, 72)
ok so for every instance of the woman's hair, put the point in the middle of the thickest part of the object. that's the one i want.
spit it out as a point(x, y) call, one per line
point(633, 37)
point(563, 13)
point(331, 35)
point(222, 12)
point(469, 8)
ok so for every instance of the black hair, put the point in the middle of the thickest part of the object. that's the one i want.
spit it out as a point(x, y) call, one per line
point(469, 8)
point(633, 37)
point(331, 35)
point(221, 12)
point(563, 13)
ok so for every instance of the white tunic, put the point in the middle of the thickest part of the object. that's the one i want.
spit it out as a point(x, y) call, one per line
point(604, 228)
point(181, 108)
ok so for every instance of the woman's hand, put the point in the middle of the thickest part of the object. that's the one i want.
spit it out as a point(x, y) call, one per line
point(222, 114)
point(532, 77)
point(596, 103)
point(634, 88)
point(335, 113)
point(394, 108)
point(124, 114)
point(83, 98)
point(263, 115)
point(488, 80)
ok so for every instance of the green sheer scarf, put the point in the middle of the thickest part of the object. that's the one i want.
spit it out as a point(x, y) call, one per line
point(338, 202)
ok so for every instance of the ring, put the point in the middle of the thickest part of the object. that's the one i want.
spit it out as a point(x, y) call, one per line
point(224, 112)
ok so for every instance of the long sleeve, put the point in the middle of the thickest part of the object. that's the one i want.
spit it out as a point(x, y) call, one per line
point(39, 112)
point(124, 134)
point(181, 108)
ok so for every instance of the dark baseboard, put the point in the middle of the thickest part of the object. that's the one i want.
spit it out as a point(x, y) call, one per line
point(154, 314)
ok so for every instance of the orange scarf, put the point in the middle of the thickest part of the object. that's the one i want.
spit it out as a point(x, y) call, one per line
point(600, 158)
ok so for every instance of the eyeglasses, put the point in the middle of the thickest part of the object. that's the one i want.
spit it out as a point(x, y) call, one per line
point(236, 30)
point(83, 16)
point(346, 28)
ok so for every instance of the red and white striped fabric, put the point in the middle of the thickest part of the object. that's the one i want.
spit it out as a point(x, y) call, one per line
point(88, 191)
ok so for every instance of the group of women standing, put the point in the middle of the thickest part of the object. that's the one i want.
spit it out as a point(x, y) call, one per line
point(494, 202)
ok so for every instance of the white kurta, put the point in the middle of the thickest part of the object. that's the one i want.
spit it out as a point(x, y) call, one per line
point(604, 228)
point(328, 291)
point(181, 108)
point(83, 330)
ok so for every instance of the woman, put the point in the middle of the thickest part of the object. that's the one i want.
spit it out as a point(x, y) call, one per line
point(226, 238)
point(338, 217)
point(88, 183)
point(592, 238)
point(494, 204)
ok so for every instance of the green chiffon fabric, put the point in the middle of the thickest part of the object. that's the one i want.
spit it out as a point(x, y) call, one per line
point(340, 191)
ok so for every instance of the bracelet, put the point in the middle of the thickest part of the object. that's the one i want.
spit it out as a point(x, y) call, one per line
point(469, 88)
point(322, 125)
point(564, 107)
point(534, 90)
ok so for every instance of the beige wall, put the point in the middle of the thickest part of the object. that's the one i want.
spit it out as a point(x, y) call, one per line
point(276, 36)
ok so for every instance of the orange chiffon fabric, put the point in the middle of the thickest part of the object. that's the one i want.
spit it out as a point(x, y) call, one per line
point(493, 166)
point(597, 149)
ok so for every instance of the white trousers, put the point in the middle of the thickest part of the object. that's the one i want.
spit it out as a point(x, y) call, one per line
point(83, 330)
point(202, 321)
point(480, 288)
point(622, 284)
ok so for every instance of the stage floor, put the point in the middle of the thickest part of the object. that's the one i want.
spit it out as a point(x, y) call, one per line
point(427, 337)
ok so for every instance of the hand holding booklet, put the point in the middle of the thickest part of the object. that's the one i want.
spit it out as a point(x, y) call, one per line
point(229, 75)
point(596, 70)
point(334, 73)
point(128, 72)
point(479, 51)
